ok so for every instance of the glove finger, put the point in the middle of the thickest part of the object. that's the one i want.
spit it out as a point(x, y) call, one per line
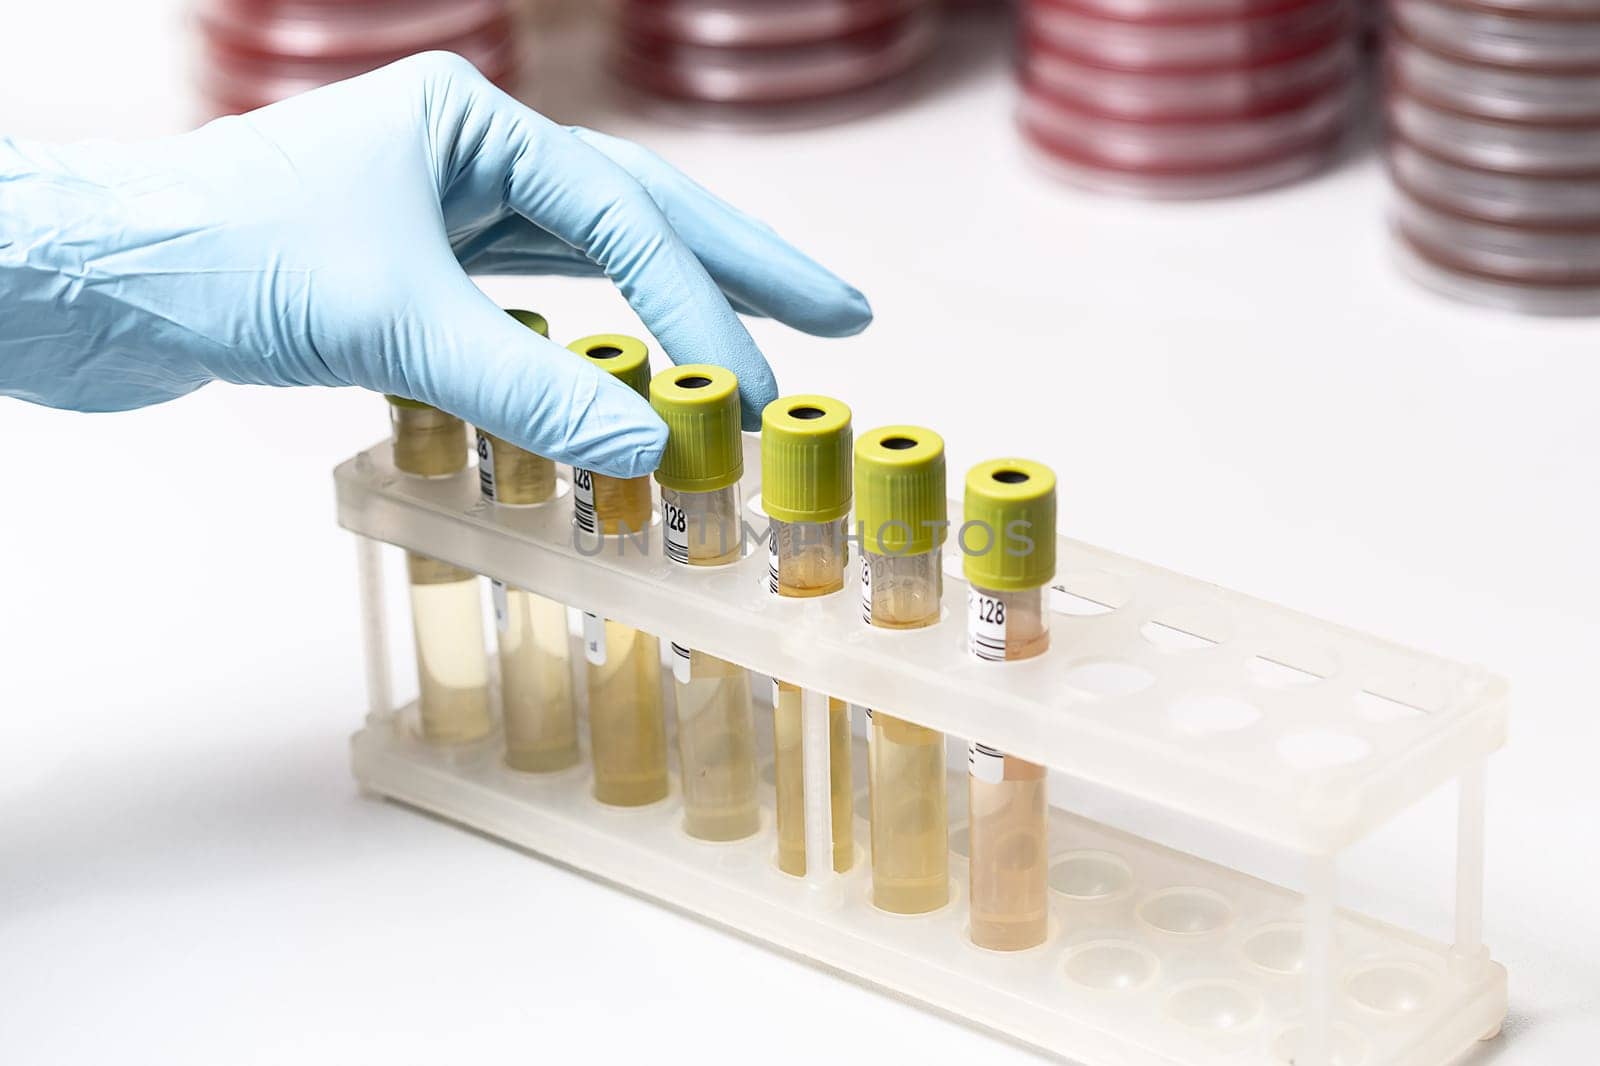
point(751, 263)
point(516, 246)
point(575, 192)
point(468, 357)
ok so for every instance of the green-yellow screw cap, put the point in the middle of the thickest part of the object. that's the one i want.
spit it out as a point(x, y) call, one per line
point(532, 319)
point(625, 358)
point(410, 405)
point(700, 405)
point(805, 459)
point(1008, 533)
point(900, 504)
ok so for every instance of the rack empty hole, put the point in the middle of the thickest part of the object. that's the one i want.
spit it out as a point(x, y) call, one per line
point(1322, 750)
point(1111, 965)
point(806, 412)
point(1199, 715)
point(1010, 477)
point(1090, 875)
point(694, 381)
point(898, 444)
point(604, 351)
point(1391, 988)
point(1349, 1047)
point(1088, 593)
point(1376, 708)
point(1279, 949)
point(1110, 678)
point(1171, 638)
point(1220, 1006)
point(1186, 911)
point(1278, 672)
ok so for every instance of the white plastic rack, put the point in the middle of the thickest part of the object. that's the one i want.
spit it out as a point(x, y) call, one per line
point(1164, 689)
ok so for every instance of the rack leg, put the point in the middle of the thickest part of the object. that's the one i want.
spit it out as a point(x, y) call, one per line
point(818, 791)
point(374, 646)
point(1321, 887)
point(1469, 863)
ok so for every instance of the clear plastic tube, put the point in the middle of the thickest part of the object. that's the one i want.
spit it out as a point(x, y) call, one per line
point(627, 730)
point(716, 733)
point(427, 442)
point(1007, 796)
point(536, 682)
point(541, 723)
point(452, 669)
point(446, 612)
point(808, 559)
point(906, 762)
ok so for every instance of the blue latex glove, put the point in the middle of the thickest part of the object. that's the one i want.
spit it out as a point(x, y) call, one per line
point(325, 241)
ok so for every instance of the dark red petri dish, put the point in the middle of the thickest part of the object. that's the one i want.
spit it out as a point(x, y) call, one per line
point(1232, 92)
point(1117, 45)
point(342, 31)
point(757, 23)
point(234, 83)
point(769, 76)
point(1184, 147)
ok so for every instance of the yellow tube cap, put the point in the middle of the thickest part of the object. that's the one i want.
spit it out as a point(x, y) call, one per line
point(700, 405)
point(625, 358)
point(1008, 534)
point(900, 504)
point(805, 459)
point(532, 319)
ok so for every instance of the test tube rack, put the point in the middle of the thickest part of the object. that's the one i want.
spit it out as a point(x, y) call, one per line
point(1168, 691)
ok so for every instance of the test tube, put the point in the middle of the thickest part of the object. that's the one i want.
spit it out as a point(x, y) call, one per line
point(1009, 558)
point(627, 730)
point(901, 522)
point(446, 612)
point(702, 525)
point(541, 723)
point(805, 473)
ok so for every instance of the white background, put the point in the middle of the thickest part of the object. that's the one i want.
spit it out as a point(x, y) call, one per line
point(1245, 391)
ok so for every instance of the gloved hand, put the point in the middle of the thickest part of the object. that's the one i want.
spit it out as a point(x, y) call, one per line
point(322, 241)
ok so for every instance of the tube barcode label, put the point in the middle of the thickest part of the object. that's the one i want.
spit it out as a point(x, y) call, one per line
point(772, 560)
point(866, 589)
point(680, 662)
point(675, 525)
point(502, 609)
point(583, 500)
point(485, 467)
point(594, 639)
point(985, 763)
point(986, 626)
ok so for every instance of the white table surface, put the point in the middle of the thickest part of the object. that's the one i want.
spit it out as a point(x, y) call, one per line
point(1245, 391)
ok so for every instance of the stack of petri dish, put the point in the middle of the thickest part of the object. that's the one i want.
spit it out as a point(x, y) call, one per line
point(1188, 98)
point(770, 62)
point(1493, 111)
point(253, 52)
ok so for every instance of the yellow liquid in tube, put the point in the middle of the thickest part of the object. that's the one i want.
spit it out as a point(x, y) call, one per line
point(627, 728)
point(536, 684)
point(716, 729)
point(809, 560)
point(452, 670)
point(1009, 837)
point(906, 762)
